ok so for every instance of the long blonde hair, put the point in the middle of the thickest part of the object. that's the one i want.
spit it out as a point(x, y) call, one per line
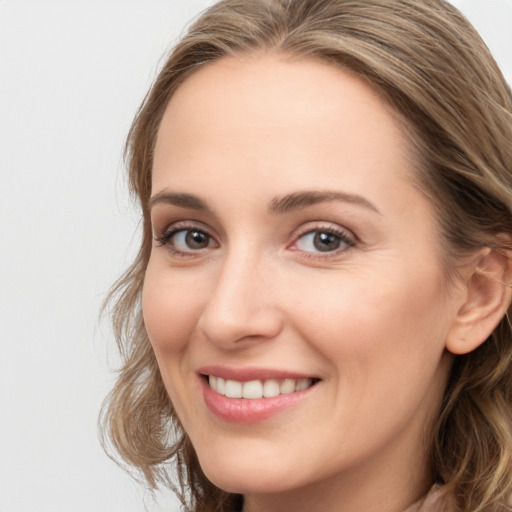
point(424, 58)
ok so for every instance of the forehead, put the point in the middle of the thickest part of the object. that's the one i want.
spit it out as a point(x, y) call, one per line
point(271, 112)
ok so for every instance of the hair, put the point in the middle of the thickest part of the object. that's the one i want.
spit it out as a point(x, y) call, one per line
point(430, 64)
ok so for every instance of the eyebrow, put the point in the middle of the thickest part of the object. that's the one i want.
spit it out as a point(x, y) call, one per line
point(301, 200)
point(181, 200)
point(278, 205)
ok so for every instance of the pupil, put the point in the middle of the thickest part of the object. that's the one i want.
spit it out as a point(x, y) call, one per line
point(326, 242)
point(196, 240)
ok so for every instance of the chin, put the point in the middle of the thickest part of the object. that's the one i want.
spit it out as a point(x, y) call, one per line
point(248, 475)
point(256, 482)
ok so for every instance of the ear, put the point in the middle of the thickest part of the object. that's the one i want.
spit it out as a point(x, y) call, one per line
point(487, 291)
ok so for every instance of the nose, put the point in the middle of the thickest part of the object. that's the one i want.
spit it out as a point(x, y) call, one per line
point(242, 308)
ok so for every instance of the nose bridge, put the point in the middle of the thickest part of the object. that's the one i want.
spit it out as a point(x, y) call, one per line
point(239, 307)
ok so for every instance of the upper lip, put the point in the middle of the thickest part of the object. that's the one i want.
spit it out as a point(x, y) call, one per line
point(246, 374)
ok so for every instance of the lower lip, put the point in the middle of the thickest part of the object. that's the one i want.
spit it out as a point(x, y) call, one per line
point(249, 410)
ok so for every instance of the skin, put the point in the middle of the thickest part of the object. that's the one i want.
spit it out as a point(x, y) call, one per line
point(370, 319)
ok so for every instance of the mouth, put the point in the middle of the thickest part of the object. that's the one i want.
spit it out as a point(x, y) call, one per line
point(252, 395)
point(258, 388)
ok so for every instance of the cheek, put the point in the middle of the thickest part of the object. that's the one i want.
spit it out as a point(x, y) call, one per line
point(366, 320)
point(383, 343)
point(170, 311)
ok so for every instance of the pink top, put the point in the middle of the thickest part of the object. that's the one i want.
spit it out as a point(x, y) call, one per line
point(430, 503)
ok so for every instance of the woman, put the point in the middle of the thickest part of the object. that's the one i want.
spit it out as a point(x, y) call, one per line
point(316, 319)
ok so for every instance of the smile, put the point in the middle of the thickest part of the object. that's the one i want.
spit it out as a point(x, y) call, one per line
point(256, 389)
point(247, 396)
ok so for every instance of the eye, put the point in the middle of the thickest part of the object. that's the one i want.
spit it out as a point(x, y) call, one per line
point(186, 240)
point(191, 240)
point(323, 241)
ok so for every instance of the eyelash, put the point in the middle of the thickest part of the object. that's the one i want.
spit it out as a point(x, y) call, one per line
point(347, 240)
point(173, 230)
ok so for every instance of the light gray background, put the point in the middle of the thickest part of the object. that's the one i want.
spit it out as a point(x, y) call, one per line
point(72, 74)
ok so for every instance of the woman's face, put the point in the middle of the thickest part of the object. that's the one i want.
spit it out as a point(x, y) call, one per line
point(296, 265)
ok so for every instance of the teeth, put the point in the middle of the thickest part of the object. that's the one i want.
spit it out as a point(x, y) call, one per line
point(287, 386)
point(303, 384)
point(252, 389)
point(271, 388)
point(233, 389)
point(257, 388)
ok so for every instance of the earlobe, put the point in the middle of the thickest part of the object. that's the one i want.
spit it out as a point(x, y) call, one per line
point(488, 295)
